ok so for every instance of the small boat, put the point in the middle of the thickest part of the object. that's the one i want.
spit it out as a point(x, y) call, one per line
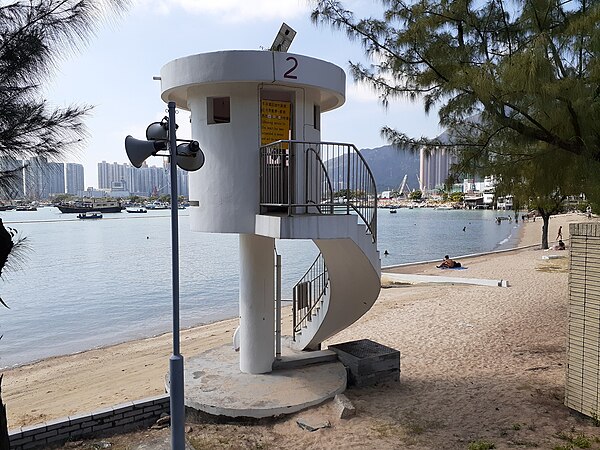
point(157, 205)
point(137, 210)
point(91, 205)
point(90, 215)
point(26, 208)
point(393, 211)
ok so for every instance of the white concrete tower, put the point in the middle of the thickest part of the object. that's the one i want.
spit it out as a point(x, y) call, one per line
point(241, 100)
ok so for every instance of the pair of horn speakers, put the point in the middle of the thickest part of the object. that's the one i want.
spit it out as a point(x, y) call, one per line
point(189, 155)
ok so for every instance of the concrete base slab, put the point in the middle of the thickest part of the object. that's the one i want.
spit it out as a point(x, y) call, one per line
point(215, 385)
point(387, 277)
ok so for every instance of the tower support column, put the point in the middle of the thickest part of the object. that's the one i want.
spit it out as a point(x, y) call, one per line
point(257, 308)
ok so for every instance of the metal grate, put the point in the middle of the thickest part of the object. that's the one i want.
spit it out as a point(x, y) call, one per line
point(365, 348)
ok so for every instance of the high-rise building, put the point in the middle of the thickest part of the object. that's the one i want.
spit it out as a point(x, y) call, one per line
point(56, 179)
point(109, 173)
point(145, 181)
point(43, 179)
point(103, 175)
point(434, 168)
point(75, 179)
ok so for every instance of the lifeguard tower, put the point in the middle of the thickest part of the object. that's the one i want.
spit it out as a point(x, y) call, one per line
point(267, 176)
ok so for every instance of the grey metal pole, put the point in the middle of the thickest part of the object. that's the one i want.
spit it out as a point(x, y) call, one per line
point(176, 360)
point(278, 307)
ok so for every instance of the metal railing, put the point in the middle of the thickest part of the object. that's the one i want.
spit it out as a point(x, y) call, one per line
point(298, 177)
point(307, 294)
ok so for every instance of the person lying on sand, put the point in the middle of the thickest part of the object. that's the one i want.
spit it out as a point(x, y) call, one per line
point(560, 245)
point(448, 263)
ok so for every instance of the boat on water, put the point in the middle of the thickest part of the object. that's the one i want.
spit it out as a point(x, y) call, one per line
point(393, 211)
point(157, 205)
point(90, 215)
point(26, 208)
point(91, 205)
point(137, 210)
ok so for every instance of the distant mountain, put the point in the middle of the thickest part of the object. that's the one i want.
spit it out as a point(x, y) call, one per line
point(389, 165)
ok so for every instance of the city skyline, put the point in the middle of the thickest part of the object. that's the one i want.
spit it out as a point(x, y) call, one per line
point(39, 179)
point(42, 179)
point(144, 181)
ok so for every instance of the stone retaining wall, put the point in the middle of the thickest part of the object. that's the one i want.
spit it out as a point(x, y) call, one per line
point(115, 419)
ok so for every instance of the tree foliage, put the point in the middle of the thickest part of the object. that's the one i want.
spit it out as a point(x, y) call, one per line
point(516, 83)
point(415, 195)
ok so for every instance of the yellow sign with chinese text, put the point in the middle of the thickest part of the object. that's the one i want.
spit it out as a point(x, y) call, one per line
point(275, 122)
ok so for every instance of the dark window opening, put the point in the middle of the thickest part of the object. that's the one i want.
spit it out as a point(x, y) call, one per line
point(218, 110)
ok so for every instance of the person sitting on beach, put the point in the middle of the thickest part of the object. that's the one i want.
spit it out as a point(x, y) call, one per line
point(448, 263)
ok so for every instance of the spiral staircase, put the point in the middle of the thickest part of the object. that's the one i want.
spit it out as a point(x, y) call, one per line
point(326, 192)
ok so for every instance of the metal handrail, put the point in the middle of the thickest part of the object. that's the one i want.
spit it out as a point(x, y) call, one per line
point(308, 292)
point(313, 151)
point(338, 170)
point(336, 180)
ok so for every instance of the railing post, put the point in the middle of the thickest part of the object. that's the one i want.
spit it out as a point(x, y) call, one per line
point(294, 307)
point(348, 185)
point(306, 181)
point(289, 176)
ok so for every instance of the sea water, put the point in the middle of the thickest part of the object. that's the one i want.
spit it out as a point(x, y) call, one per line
point(89, 283)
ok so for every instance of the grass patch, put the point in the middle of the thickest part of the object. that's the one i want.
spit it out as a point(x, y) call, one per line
point(481, 445)
point(582, 441)
point(573, 441)
point(225, 442)
point(595, 419)
point(414, 429)
point(408, 429)
point(386, 430)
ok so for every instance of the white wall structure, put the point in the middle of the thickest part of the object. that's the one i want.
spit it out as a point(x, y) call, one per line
point(239, 101)
point(224, 194)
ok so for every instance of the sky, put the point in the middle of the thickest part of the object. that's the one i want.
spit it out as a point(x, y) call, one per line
point(114, 71)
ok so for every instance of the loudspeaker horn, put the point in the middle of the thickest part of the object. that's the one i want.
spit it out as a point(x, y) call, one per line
point(189, 156)
point(157, 131)
point(138, 151)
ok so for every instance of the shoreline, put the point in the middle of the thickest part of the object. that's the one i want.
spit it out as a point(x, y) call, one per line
point(64, 385)
point(33, 333)
point(157, 331)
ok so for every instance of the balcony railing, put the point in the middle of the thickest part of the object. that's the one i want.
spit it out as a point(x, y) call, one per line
point(298, 177)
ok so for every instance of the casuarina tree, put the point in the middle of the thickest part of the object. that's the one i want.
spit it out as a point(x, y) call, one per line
point(516, 83)
point(34, 36)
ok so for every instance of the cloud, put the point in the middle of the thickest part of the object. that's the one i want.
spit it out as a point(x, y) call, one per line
point(232, 11)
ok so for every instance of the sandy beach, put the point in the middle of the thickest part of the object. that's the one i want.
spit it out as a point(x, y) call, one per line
point(478, 364)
